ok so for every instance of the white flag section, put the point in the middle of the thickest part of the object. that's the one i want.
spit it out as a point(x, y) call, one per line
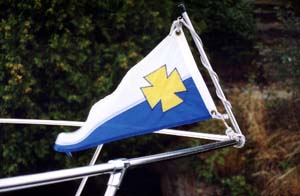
point(163, 90)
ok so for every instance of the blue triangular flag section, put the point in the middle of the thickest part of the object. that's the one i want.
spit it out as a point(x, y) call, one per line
point(163, 90)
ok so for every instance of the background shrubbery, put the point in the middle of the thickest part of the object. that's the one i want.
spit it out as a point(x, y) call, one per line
point(60, 57)
point(57, 58)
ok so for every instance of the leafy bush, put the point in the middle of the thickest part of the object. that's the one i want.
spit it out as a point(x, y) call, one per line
point(59, 57)
point(238, 186)
point(284, 66)
point(227, 27)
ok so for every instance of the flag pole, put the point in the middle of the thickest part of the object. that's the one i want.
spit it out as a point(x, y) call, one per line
point(182, 133)
point(208, 136)
point(207, 65)
point(41, 122)
point(112, 167)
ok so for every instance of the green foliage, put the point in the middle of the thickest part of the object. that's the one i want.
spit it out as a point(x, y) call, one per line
point(227, 26)
point(287, 67)
point(286, 57)
point(59, 57)
point(239, 186)
point(207, 170)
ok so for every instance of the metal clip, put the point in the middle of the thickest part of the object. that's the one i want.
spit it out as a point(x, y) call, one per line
point(176, 26)
point(240, 138)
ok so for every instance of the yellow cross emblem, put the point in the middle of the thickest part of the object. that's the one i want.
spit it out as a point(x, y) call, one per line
point(163, 88)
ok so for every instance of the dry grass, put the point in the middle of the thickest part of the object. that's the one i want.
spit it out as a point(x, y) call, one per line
point(275, 153)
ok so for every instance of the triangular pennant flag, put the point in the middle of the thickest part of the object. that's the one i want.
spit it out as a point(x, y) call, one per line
point(163, 90)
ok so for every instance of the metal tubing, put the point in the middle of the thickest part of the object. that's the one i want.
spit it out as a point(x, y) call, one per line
point(190, 134)
point(116, 178)
point(93, 161)
point(208, 136)
point(113, 183)
point(33, 180)
point(180, 153)
point(41, 122)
